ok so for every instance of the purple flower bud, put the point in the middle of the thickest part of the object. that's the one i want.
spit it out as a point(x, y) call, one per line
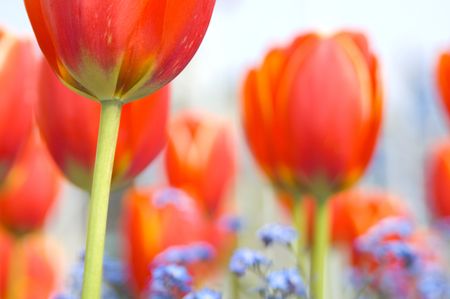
point(204, 294)
point(186, 254)
point(244, 259)
point(277, 234)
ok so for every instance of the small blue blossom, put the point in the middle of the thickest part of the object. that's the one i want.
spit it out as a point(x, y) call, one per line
point(170, 282)
point(277, 234)
point(114, 272)
point(64, 296)
point(285, 283)
point(399, 250)
point(433, 284)
point(245, 259)
point(113, 285)
point(169, 196)
point(186, 254)
point(393, 226)
point(232, 223)
point(204, 294)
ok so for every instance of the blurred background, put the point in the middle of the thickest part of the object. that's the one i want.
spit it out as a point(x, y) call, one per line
point(407, 35)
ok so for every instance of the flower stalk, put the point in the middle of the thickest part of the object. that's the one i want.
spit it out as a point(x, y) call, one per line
point(98, 205)
point(320, 247)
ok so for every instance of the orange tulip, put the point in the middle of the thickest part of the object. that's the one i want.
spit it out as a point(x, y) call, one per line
point(121, 50)
point(443, 79)
point(201, 159)
point(353, 212)
point(17, 71)
point(438, 181)
point(30, 189)
point(312, 111)
point(32, 267)
point(153, 220)
point(69, 125)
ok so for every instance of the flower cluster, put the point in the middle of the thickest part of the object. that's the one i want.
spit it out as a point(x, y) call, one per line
point(170, 276)
point(273, 283)
point(204, 294)
point(114, 281)
point(170, 282)
point(277, 234)
point(186, 254)
point(395, 260)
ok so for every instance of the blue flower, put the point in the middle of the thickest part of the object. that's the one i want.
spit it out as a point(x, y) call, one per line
point(232, 223)
point(277, 234)
point(114, 280)
point(170, 282)
point(204, 294)
point(286, 282)
point(393, 226)
point(244, 259)
point(169, 196)
point(114, 272)
point(399, 250)
point(433, 284)
point(186, 254)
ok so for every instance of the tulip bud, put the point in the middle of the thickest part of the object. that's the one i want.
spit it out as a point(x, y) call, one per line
point(312, 112)
point(30, 189)
point(201, 159)
point(32, 267)
point(69, 126)
point(17, 85)
point(153, 220)
point(118, 50)
point(438, 182)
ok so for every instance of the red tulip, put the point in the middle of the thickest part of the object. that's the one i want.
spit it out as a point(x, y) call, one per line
point(312, 111)
point(153, 220)
point(32, 268)
point(443, 79)
point(17, 71)
point(119, 49)
point(438, 181)
point(201, 159)
point(69, 125)
point(30, 190)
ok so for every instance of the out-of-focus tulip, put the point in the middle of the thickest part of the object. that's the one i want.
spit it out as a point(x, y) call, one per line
point(6, 244)
point(17, 85)
point(443, 79)
point(133, 49)
point(438, 181)
point(33, 268)
point(352, 213)
point(201, 159)
point(312, 112)
point(69, 125)
point(153, 220)
point(30, 189)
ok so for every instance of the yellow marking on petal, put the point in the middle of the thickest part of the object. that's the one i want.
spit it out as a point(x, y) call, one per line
point(134, 92)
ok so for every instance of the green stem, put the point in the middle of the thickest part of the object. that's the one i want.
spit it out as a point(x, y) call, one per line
point(300, 222)
point(320, 248)
point(98, 204)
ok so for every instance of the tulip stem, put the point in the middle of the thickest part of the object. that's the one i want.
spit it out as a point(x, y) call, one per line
point(98, 205)
point(300, 223)
point(320, 248)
